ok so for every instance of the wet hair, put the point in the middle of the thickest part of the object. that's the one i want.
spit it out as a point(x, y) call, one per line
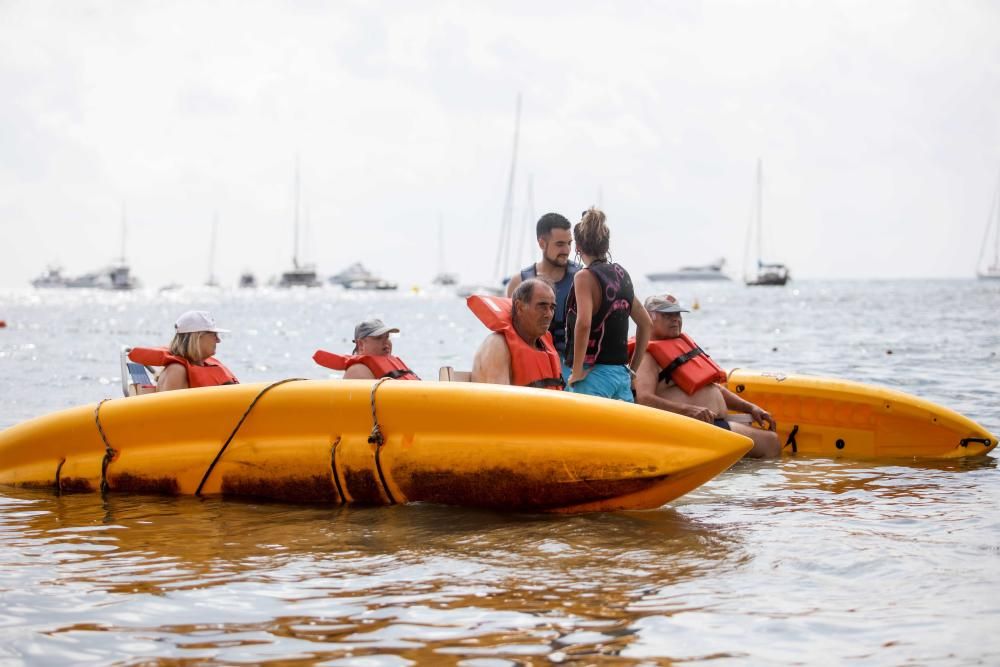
point(187, 345)
point(524, 291)
point(548, 222)
point(592, 235)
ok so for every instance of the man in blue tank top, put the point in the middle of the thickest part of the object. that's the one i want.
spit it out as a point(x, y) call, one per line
point(556, 241)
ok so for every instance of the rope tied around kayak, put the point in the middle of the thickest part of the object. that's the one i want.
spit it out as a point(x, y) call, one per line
point(110, 454)
point(378, 439)
point(239, 424)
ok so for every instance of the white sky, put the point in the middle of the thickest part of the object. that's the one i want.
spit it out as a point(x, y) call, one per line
point(878, 124)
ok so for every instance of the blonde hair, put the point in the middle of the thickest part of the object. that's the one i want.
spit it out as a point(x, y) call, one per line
point(187, 345)
point(592, 235)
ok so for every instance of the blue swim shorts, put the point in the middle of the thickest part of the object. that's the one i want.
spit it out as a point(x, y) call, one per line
point(604, 380)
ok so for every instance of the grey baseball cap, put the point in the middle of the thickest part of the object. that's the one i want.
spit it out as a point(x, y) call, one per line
point(373, 327)
point(665, 303)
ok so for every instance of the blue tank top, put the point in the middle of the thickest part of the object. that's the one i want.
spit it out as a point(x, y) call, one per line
point(563, 287)
point(608, 340)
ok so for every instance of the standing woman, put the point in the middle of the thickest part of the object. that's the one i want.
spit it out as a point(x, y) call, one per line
point(189, 362)
point(598, 309)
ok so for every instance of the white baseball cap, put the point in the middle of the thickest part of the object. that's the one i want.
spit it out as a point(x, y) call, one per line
point(194, 321)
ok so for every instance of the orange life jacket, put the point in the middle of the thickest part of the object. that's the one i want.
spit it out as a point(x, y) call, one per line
point(212, 374)
point(682, 361)
point(530, 366)
point(381, 366)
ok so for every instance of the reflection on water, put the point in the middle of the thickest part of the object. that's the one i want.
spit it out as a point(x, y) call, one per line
point(777, 562)
point(802, 561)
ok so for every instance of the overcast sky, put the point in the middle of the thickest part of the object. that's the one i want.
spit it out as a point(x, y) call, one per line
point(878, 124)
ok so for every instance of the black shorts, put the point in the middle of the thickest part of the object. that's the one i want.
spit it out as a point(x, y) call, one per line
point(722, 423)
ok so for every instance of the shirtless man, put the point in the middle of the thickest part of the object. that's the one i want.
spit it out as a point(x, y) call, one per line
point(520, 351)
point(710, 403)
point(555, 239)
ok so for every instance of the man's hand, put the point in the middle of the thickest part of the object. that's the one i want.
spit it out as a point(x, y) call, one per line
point(763, 418)
point(698, 412)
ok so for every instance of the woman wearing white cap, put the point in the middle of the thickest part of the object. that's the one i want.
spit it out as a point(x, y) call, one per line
point(188, 361)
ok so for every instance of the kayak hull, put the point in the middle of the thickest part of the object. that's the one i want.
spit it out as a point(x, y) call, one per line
point(840, 418)
point(309, 441)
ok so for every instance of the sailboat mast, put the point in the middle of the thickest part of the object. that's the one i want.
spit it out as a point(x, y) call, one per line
point(295, 235)
point(211, 249)
point(760, 212)
point(124, 231)
point(503, 249)
point(996, 227)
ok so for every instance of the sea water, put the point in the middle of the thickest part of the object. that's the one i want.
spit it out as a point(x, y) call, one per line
point(796, 561)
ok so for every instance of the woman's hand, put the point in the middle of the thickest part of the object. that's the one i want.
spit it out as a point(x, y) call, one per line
point(577, 376)
point(698, 412)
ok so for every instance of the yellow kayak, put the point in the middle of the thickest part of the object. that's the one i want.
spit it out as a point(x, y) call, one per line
point(319, 441)
point(831, 417)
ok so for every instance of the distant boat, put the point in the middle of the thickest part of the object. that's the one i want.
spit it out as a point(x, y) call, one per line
point(52, 277)
point(300, 275)
point(768, 273)
point(212, 280)
point(248, 280)
point(992, 271)
point(707, 272)
point(116, 276)
point(356, 276)
point(443, 277)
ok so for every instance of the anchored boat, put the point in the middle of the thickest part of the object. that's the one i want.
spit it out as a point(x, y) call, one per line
point(374, 443)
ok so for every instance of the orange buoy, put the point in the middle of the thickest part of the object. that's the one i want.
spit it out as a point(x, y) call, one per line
point(3, 323)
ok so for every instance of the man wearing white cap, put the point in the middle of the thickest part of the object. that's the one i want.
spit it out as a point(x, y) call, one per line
point(189, 362)
point(678, 376)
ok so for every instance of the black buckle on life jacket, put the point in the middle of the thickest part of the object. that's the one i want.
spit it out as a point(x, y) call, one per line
point(396, 374)
point(684, 358)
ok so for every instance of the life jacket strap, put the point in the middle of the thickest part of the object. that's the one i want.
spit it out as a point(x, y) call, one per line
point(548, 382)
point(396, 374)
point(684, 358)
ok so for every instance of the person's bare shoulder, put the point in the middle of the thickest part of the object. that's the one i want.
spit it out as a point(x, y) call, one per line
point(359, 372)
point(172, 377)
point(492, 361)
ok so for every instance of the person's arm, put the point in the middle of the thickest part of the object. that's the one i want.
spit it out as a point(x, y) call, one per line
point(646, 380)
point(492, 361)
point(173, 377)
point(512, 284)
point(587, 292)
point(643, 329)
point(759, 415)
point(359, 372)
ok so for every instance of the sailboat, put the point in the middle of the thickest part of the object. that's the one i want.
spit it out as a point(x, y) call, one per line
point(300, 275)
point(768, 273)
point(503, 247)
point(212, 280)
point(443, 278)
point(992, 271)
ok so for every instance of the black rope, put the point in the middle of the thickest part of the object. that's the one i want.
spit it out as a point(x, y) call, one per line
point(238, 425)
point(333, 467)
point(59, 476)
point(791, 439)
point(109, 452)
point(376, 438)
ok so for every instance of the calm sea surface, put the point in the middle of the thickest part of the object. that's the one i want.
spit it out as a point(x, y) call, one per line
point(799, 561)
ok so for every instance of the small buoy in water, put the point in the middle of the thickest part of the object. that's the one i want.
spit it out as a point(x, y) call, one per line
point(3, 323)
point(415, 289)
point(696, 305)
point(774, 349)
point(888, 351)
